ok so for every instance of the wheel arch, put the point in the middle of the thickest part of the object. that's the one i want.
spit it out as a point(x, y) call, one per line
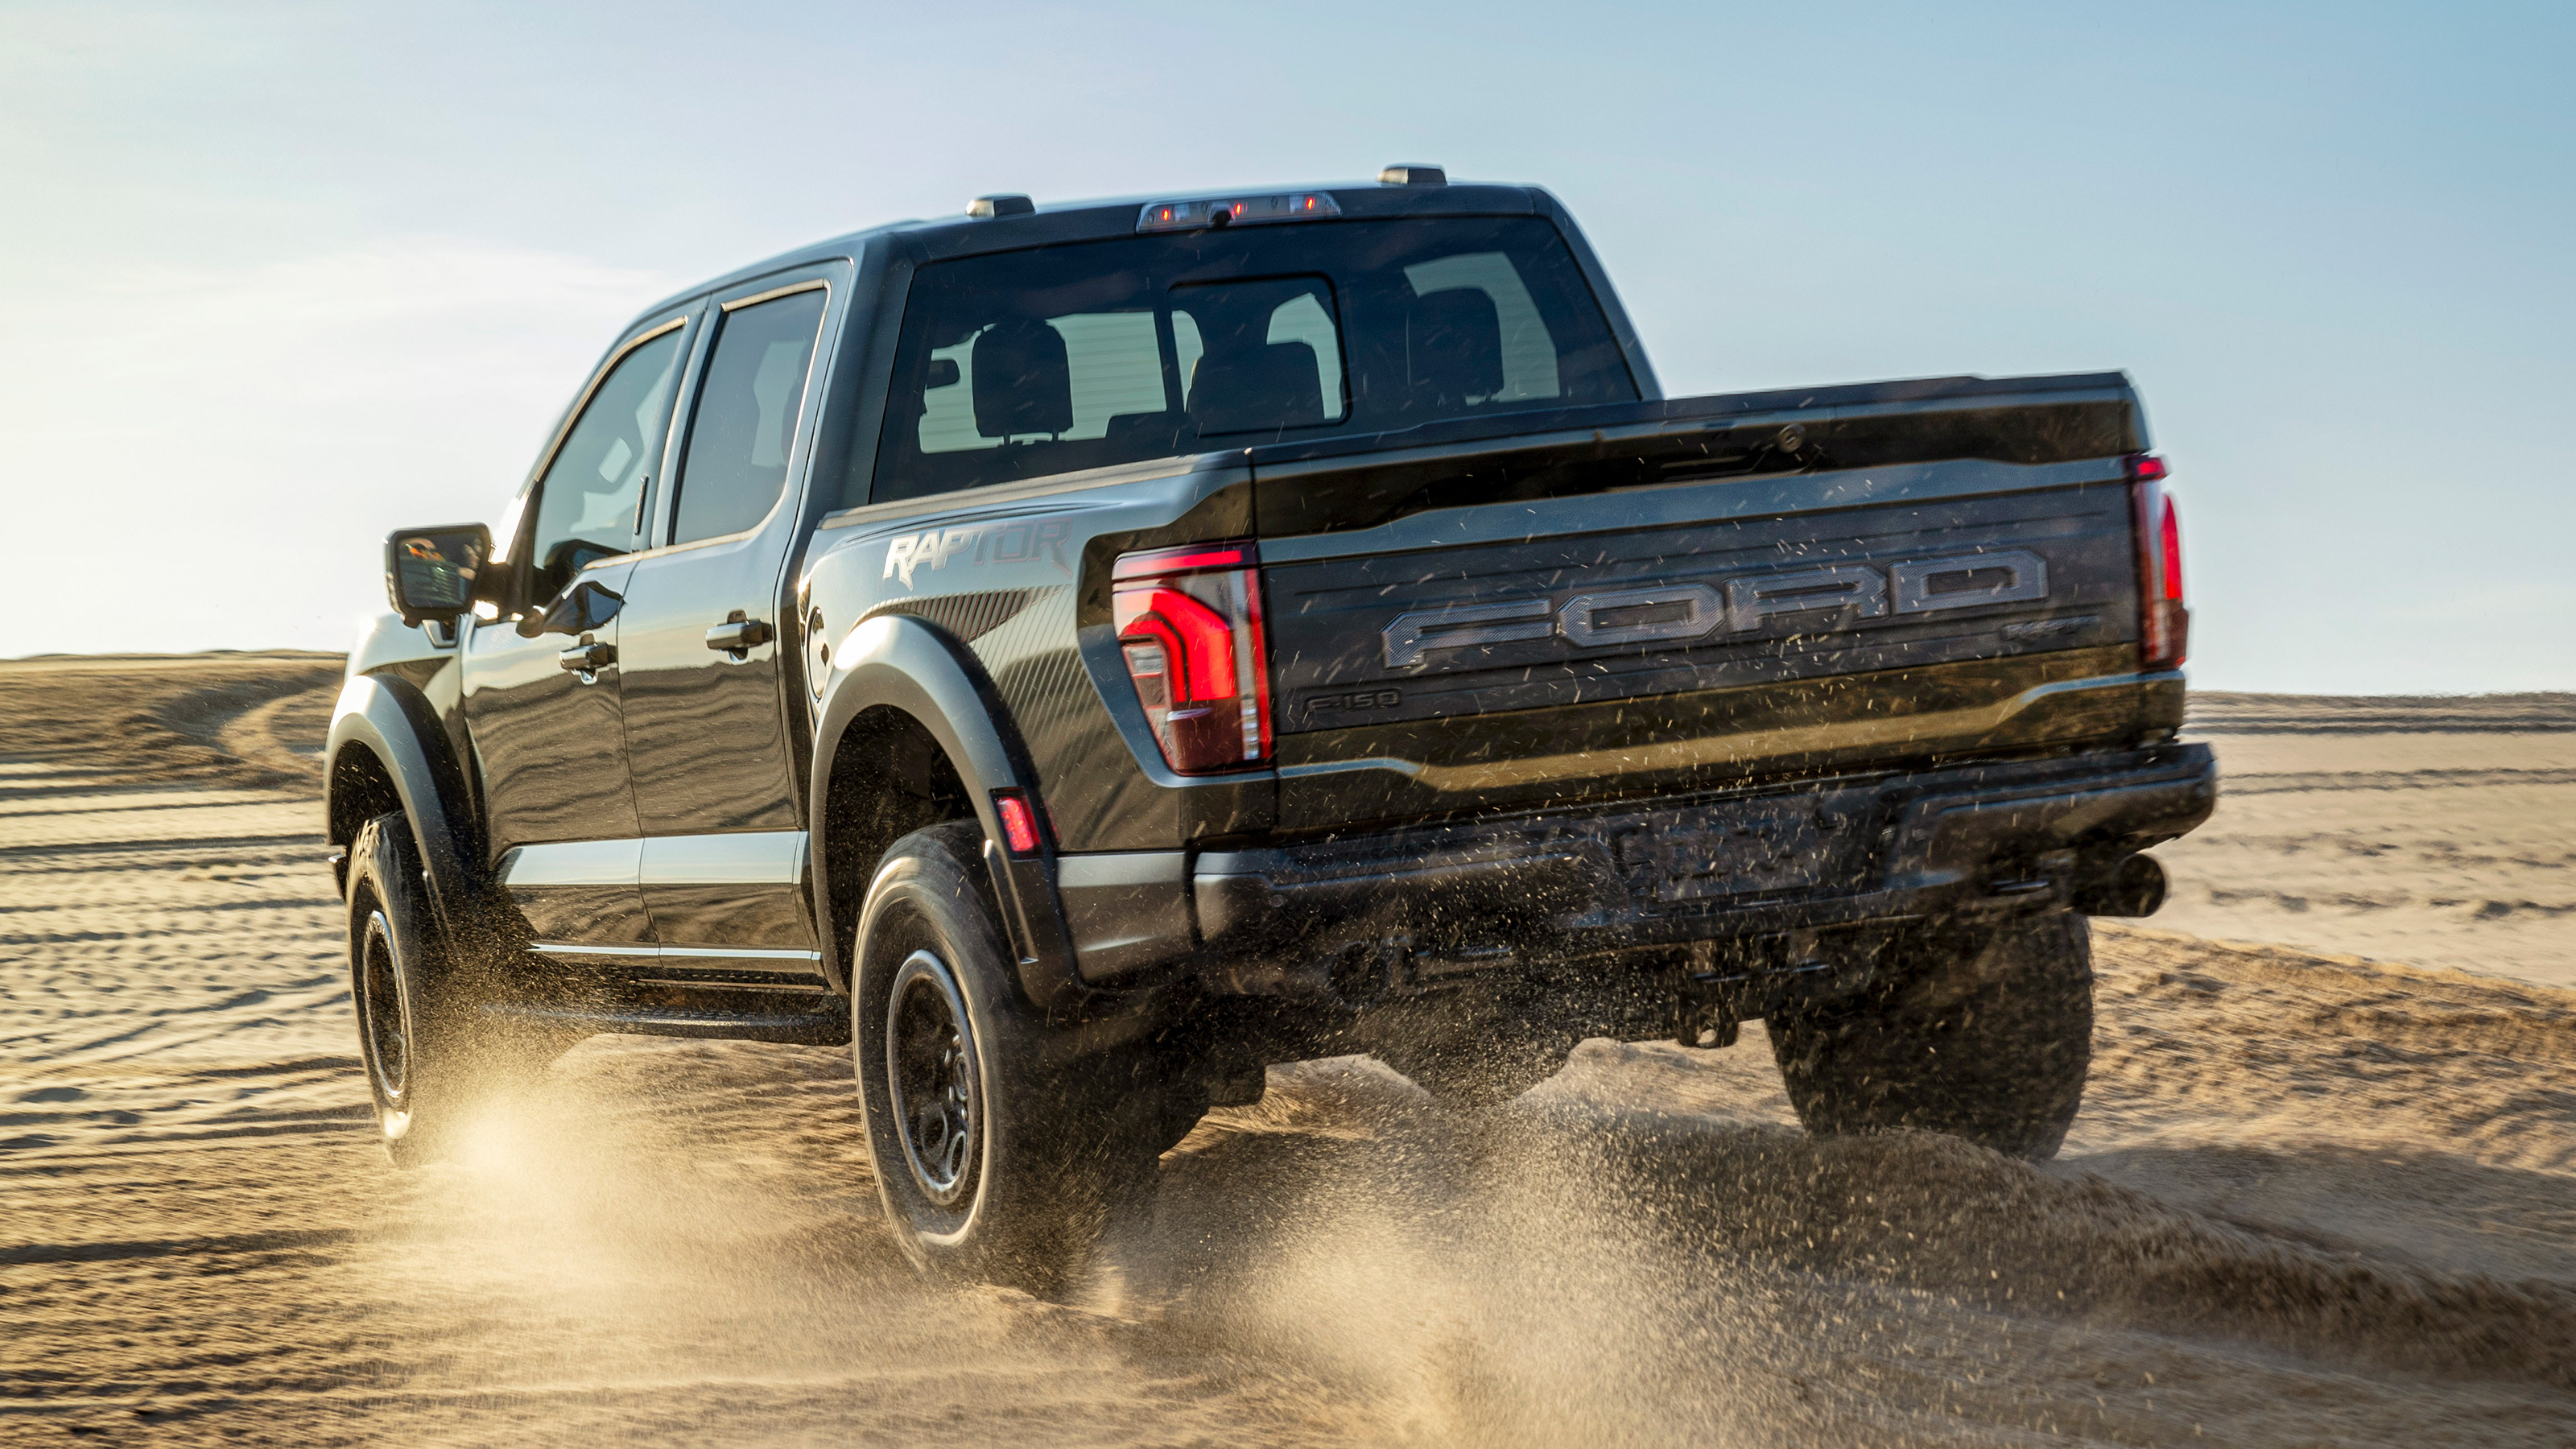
point(899, 685)
point(387, 751)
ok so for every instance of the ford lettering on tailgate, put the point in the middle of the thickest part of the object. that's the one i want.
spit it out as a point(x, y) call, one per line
point(1379, 639)
point(1677, 612)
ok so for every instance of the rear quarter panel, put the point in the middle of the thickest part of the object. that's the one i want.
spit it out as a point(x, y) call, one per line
point(1003, 571)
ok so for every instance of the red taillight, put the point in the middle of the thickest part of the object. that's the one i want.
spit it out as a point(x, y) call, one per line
point(2164, 623)
point(1189, 624)
point(1019, 822)
point(2172, 541)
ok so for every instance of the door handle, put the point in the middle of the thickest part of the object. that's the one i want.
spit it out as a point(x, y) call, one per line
point(587, 658)
point(739, 636)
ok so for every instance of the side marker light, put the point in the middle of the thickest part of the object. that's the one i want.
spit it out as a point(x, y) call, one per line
point(1019, 822)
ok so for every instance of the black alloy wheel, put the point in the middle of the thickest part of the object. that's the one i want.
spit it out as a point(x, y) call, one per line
point(384, 1026)
point(933, 1079)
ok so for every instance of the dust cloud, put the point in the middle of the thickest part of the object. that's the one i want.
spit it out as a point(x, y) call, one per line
point(2312, 1198)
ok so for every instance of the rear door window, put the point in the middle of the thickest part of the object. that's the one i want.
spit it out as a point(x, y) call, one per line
point(743, 425)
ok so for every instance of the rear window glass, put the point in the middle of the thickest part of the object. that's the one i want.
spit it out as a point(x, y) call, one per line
point(1023, 364)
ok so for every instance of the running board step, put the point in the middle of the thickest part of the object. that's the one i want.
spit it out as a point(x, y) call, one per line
point(826, 1028)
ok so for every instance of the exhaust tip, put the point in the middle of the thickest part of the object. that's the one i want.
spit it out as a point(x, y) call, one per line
point(2134, 886)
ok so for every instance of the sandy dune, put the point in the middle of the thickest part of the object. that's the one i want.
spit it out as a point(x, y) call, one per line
point(2437, 831)
point(2313, 1199)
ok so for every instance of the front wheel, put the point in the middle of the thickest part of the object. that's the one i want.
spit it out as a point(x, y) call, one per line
point(1989, 1038)
point(431, 1057)
point(992, 1166)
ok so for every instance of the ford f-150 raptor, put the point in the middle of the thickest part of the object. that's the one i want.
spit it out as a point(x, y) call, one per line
point(1083, 655)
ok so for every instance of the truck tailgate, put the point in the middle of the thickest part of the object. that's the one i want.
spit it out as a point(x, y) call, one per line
point(1643, 635)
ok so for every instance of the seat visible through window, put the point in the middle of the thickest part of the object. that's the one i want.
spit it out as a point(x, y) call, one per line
point(1453, 349)
point(1024, 363)
point(1263, 385)
point(1263, 349)
point(1023, 380)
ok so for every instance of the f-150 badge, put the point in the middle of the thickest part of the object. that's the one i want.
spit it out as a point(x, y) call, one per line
point(1670, 613)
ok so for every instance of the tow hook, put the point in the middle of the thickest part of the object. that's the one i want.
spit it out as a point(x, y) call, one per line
point(1704, 1024)
point(1702, 1016)
point(1369, 972)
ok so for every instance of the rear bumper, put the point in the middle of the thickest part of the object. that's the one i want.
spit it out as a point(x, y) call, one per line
point(1531, 890)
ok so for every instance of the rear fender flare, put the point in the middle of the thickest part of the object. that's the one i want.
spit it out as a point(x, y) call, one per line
point(898, 662)
point(391, 719)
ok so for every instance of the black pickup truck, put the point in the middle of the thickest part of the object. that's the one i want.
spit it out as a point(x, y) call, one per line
point(1082, 655)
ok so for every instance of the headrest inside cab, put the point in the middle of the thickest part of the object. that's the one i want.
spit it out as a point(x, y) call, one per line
point(1023, 383)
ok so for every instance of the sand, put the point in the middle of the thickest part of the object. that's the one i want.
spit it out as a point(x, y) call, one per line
point(2314, 1198)
point(2436, 831)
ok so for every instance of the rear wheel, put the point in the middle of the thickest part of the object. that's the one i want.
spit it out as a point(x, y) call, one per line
point(430, 1055)
point(1989, 1039)
point(992, 1166)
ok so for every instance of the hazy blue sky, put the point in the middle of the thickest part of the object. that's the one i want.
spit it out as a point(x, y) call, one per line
point(277, 278)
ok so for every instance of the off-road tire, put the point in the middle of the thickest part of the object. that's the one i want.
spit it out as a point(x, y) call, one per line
point(1988, 1037)
point(994, 1165)
point(431, 1057)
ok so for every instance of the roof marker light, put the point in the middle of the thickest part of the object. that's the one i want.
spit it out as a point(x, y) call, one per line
point(1237, 211)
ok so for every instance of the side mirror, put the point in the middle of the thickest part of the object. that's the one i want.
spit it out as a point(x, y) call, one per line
point(430, 573)
point(584, 607)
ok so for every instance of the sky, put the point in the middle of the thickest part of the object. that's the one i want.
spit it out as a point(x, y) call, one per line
point(277, 278)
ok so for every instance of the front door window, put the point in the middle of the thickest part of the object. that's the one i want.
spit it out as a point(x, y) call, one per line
point(590, 501)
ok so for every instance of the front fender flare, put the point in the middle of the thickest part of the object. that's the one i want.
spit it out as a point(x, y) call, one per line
point(898, 662)
point(393, 720)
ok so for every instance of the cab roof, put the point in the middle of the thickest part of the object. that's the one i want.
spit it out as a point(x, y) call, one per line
point(1103, 218)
